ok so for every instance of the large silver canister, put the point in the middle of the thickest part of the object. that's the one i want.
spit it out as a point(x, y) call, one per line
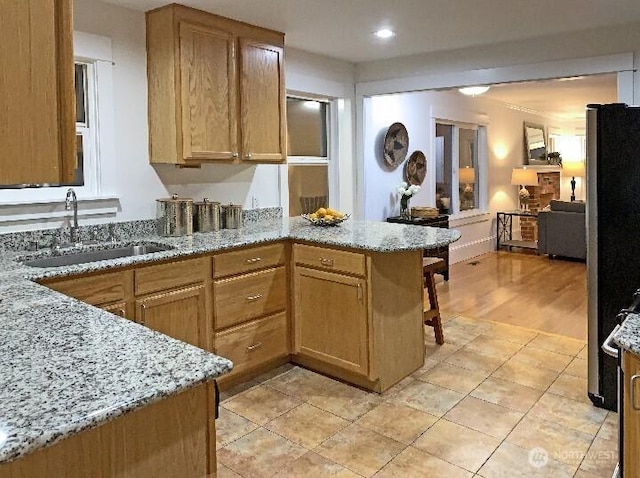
point(207, 216)
point(232, 216)
point(175, 216)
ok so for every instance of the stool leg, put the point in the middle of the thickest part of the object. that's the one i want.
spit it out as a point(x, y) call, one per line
point(434, 310)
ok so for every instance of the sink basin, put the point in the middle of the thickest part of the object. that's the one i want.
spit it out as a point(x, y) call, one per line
point(96, 255)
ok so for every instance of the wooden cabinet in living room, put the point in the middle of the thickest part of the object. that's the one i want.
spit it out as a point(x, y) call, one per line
point(37, 123)
point(216, 89)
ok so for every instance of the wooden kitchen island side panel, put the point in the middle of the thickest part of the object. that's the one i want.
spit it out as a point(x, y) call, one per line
point(172, 438)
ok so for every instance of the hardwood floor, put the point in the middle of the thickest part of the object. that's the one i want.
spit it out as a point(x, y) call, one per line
point(520, 289)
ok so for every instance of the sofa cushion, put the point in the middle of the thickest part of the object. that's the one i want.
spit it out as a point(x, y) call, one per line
point(567, 206)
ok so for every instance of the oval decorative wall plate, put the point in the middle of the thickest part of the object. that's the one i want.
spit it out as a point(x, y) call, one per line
point(396, 144)
point(416, 168)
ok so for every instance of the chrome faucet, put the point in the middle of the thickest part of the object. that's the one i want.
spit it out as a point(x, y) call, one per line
point(72, 201)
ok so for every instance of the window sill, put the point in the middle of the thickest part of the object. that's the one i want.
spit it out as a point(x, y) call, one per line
point(468, 217)
point(24, 212)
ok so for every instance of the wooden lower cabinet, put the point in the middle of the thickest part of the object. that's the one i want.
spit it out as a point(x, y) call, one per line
point(331, 319)
point(180, 314)
point(631, 426)
point(172, 438)
point(253, 343)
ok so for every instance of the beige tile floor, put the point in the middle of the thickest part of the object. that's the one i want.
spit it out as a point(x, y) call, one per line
point(494, 401)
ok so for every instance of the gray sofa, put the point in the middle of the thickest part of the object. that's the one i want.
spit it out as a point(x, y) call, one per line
point(562, 231)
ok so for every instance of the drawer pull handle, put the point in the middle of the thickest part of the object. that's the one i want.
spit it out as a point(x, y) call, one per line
point(632, 394)
point(359, 288)
point(254, 346)
point(142, 314)
point(254, 260)
point(254, 297)
point(326, 262)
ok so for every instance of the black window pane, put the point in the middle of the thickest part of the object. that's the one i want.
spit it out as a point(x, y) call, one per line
point(81, 93)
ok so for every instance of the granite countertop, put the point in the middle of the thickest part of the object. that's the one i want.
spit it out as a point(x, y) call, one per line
point(68, 366)
point(628, 336)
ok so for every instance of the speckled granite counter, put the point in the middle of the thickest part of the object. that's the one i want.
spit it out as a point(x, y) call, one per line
point(628, 336)
point(68, 366)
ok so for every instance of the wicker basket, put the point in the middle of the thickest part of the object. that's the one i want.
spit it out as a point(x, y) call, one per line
point(424, 212)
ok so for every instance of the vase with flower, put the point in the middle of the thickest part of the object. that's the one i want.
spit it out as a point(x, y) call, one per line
point(406, 193)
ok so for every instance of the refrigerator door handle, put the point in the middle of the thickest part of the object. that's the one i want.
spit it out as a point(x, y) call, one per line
point(609, 347)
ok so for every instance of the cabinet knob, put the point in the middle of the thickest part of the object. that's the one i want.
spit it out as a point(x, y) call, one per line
point(234, 155)
point(253, 347)
point(247, 156)
point(326, 262)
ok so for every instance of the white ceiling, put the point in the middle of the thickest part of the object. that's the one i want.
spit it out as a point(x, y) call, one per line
point(343, 28)
point(564, 99)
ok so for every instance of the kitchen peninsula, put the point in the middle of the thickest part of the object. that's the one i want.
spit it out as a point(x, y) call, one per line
point(352, 308)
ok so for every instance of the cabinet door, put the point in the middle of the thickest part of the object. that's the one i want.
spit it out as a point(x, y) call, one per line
point(331, 319)
point(180, 314)
point(208, 93)
point(262, 105)
point(631, 426)
point(37, 122)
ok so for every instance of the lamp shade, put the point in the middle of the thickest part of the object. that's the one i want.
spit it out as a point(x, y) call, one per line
point(524, 177)
point(467, 175)
point(574, 168)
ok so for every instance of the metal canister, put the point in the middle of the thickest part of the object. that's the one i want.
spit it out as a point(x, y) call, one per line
point(232, 216)
point(175, 216)
point(207, 216)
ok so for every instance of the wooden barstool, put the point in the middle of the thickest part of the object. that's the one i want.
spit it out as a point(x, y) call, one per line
point(431, 314)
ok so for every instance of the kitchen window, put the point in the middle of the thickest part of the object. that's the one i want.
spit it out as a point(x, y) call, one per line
point(460, 159)
point(309, 166)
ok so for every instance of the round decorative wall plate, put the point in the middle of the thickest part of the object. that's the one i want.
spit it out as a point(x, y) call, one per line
point(396, 144)
point(416, 168)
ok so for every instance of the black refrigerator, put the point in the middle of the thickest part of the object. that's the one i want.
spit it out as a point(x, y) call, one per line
point(613, 230)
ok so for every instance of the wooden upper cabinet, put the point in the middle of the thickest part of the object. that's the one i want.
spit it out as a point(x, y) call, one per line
point(208, 93)
point(216, 89)
point(262, 113)
point(37, 98)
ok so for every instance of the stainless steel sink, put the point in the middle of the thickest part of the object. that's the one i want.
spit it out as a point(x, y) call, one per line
point(94, 256)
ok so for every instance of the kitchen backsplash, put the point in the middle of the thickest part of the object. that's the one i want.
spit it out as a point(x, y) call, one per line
point(118, 231)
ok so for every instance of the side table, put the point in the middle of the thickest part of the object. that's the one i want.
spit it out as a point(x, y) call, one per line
point(504, 230)
point(438, 221)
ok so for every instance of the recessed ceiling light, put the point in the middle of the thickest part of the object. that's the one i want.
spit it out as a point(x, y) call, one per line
point(474, 90)
point(385, 33)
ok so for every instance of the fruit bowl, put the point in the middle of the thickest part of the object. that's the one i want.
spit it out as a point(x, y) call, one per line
point(321, 221)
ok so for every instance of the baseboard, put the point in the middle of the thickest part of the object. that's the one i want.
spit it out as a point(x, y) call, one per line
point(468, 250)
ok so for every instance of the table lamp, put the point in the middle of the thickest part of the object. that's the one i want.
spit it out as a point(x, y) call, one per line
point(524, 177)
point(467, 176)
point(573, 169)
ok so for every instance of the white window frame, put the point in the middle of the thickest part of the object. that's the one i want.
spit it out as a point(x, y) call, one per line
point(481, 168)
point(21, 209)
point(333, 179)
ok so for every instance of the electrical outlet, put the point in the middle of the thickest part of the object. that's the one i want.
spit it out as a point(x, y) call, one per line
point(254, 202)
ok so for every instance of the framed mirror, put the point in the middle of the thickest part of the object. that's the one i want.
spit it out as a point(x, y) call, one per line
point(535, 141)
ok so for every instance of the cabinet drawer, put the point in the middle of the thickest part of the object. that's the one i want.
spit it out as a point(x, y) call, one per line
point(249, 296)
point(248, 260)
point(329, 259)
point(168, 276)
point(252, 344)
point(94, 290)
